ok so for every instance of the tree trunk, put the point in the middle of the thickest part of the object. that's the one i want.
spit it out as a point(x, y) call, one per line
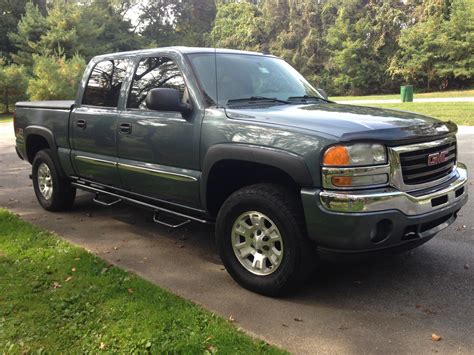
point(7, 109)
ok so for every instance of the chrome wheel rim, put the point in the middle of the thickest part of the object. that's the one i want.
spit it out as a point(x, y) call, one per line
point(257, 243)
point(45, 181)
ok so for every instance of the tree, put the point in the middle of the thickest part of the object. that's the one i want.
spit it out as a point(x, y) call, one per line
point(13, 84)
point(194, 22)
point(70, 29)
point(360, 43)
point(158, 18)
point(236, 26)
point(26, 39)
point(439, 48)
point(10, 13)
point(55, 78)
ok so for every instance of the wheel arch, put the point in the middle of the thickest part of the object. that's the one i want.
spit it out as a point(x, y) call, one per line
point(271, 165)
point(38, 138)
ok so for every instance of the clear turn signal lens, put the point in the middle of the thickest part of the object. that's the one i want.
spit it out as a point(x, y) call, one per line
point(363, 180)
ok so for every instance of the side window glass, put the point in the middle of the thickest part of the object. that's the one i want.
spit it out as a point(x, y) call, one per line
point(151, 73)
point(105, 81)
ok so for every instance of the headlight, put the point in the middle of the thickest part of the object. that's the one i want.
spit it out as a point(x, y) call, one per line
point(358, 165)
point(355, 155)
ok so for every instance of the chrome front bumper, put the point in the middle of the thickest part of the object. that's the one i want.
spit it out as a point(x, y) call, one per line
point(410, 204)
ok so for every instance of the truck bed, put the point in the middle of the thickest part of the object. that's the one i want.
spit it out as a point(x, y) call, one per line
point(52, 116)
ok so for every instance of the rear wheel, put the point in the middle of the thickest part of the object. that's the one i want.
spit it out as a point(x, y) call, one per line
point(261, 239)
point(53, 192)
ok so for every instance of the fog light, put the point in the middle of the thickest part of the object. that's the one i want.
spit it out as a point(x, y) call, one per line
point(381, 231)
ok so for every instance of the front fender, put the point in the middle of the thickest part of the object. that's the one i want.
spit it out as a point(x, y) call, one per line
point(292, 164)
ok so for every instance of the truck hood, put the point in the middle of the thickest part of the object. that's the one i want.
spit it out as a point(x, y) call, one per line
point(349, 122)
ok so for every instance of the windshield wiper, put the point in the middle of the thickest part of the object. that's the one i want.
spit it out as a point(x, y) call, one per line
point(306, 98)
point(256, 98)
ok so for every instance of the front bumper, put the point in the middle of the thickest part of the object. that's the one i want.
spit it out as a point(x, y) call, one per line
point(379, 219)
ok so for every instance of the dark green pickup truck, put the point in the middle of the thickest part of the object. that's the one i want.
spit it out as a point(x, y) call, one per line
point(242, 140)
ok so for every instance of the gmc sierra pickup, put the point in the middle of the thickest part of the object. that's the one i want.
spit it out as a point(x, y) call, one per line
point(242, 140)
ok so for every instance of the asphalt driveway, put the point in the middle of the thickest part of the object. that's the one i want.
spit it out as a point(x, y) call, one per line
point(384, 305)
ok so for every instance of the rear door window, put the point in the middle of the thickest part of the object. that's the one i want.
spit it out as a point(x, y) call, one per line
point(105, 82)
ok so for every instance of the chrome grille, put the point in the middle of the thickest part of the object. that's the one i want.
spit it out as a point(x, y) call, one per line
point(416, 168)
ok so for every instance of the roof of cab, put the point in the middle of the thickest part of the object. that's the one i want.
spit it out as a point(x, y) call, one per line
point(179, 49)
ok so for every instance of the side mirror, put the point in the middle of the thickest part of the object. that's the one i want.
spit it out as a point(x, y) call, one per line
point(323, 93)
point(166, 99)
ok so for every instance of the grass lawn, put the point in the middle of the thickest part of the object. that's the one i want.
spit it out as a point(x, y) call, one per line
point(458, 93)
point(58, 298)
point(461, 113)
point(5, 118)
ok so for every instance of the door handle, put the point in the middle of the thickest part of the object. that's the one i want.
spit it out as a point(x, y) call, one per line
point(82, 124)
point(125, 128)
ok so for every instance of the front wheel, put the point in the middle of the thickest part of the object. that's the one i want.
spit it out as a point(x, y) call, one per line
point(53, 192)
point(261, 239)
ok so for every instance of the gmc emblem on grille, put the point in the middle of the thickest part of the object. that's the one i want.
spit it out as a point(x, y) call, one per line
point(438, 158)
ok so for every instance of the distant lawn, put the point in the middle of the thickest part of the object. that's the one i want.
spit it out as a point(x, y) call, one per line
point(58, 298)
point(5, 118)
point(459, 93)
point(461, 113)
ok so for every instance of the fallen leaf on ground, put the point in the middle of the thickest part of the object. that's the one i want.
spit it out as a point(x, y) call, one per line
point(231, 319)
point(285, 325)
point(102, 346)
point(435, 337)
point(115, 248)
point(73, 269)
point(68, 279)
point(77, 258)
point(56, 284)
point(130, 290)
point(298, 320)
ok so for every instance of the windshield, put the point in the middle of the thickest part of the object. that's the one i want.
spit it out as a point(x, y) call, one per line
point(243, 76)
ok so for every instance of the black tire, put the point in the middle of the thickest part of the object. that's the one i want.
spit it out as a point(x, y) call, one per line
point(63, 193)
point(284, 209)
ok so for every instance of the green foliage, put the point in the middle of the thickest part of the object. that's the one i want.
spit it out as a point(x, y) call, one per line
point(13, 84)
point(46, 306)
point(236, 26)
point(28, 35)
point(69, 29)
point(55, 77)
point(440, 47)
point(345, 46)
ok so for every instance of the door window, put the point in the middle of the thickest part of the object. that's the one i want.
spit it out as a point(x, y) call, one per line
point(105, 82)
point(151, 73)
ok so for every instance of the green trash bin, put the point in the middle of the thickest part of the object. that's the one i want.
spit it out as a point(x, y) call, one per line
point(406, 93)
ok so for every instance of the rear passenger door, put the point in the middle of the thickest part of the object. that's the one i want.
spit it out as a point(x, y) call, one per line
point(94, 123)
point(159, 151)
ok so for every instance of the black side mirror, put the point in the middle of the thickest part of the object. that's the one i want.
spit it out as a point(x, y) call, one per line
point(166, 99)
point(323, 93)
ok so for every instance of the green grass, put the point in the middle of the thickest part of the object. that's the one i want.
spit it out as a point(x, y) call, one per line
point(5, 118)
point(461, 113)
point(458, 93)
point(42, 310)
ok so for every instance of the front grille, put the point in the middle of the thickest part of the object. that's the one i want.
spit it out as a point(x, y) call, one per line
point(415, 168)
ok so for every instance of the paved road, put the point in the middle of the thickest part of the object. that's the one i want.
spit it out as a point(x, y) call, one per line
point(397, 101)
point(388, 305)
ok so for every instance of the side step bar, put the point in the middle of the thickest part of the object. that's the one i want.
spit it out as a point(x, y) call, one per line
point(120, 198)
point(97, 200)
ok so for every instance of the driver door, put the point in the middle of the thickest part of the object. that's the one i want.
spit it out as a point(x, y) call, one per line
point(158, 151)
